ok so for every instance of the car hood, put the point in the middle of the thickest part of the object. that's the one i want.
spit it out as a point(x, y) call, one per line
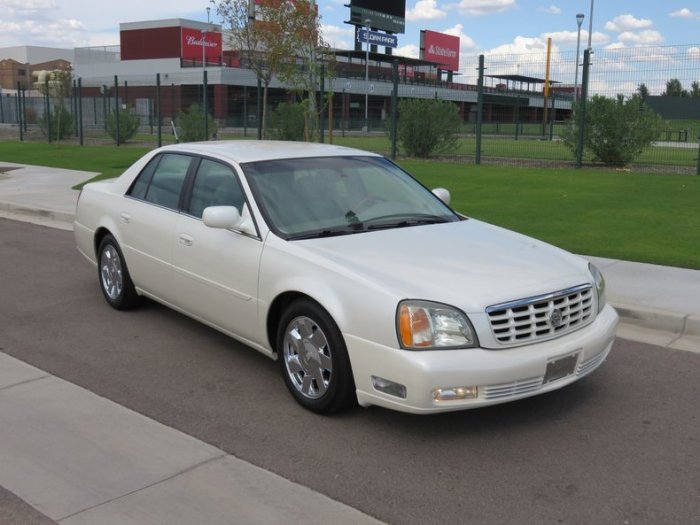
point(469, 264)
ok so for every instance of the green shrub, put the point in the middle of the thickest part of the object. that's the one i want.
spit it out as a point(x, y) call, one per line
point(427, 126)
point(288, 121)
point(616, 129)
point(61, 123)
point(128, 125)
point(191, 123)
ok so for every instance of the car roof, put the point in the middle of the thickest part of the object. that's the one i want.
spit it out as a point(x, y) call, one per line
point(241, 151)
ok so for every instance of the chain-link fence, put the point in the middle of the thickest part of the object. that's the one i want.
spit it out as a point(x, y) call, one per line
point(515, 109)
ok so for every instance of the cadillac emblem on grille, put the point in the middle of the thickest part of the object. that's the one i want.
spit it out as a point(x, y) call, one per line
point(555, 318)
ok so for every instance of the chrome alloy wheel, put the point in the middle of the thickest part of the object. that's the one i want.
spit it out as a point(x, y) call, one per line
point(307, 357)
point(111, 272)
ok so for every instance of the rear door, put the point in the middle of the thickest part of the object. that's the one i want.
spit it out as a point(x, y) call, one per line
point(149, 217)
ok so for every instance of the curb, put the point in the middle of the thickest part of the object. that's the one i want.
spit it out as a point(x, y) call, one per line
point(673, 322)
point(13, 209)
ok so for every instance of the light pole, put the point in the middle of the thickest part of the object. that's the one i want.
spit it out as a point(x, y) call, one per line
point(590, 27)
point(367, 23)
point(579, 21)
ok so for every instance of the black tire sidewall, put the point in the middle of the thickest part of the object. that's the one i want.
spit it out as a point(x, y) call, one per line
point(341, 389)
point(128, 298)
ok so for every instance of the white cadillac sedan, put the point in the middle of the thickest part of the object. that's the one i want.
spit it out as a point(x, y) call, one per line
point(363, 284)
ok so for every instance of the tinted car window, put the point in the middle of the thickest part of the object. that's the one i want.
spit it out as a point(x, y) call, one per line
point(166, 180)
point(215, 185)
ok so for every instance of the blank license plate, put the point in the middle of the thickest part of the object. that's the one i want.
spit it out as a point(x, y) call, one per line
point(559, 368)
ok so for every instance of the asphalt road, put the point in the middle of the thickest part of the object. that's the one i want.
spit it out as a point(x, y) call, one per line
point(621, 446)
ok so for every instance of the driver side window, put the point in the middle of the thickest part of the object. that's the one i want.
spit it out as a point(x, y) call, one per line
point(215, 185)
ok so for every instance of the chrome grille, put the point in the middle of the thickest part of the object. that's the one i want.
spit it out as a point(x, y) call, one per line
point(514, 388)
point(542, 317)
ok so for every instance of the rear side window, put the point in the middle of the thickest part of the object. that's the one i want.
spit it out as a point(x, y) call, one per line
point(162, 179)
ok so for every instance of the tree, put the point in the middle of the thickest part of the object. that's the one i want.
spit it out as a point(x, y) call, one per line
point(301, 70)
point(128, 125)
point(674, 88)
point(695, 89)
point(55, 85)
point(643, 90)
point(427, 126)
point(256, 39)
point(616, 130)
point(288, 121)
point(191, 123)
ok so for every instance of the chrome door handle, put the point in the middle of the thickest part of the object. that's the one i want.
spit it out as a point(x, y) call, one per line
point(186, 240)
point(125, 217)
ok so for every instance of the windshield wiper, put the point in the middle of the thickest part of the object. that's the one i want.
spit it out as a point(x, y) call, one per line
point(329, 232)
point(402, 221)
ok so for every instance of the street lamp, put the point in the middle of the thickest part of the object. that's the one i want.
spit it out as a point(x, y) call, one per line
point(579, 21)
point(367, 23)
point(590, 27)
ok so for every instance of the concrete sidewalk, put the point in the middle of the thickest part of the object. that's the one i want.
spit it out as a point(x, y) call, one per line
point(79, 458)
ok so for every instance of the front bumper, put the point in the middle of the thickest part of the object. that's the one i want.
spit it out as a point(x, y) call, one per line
point(500, 375)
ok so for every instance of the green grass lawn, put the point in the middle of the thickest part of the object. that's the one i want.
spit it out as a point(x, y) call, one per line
point(631, 216)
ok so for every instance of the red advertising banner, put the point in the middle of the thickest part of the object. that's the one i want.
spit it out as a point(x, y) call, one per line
point(440, 48)
point(193, 40)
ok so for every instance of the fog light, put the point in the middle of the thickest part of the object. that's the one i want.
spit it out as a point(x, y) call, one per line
point(455, 393)
point(389, 387)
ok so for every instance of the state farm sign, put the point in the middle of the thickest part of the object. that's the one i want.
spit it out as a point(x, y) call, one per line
point(193, 40)
point(440, 48)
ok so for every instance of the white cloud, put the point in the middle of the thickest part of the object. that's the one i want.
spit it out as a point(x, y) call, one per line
point(642, 38)
point(569, 37)
point(484, 7)
point(410, 51)
point(425, 10)
point(552, 9)
point(466, 43)
point(685, 13)
point(694, 52)
point(339, 37)
point(627, 23)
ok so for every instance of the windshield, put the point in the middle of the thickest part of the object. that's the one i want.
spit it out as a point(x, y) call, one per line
point(323, 196)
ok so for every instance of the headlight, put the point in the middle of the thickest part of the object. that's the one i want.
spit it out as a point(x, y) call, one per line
point(424, 325)
point(599, 285)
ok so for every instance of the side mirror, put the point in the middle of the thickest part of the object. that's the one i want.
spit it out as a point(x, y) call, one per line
point(443, 195)
point(224, 217)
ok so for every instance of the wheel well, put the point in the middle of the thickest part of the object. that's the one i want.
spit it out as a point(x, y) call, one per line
point(274, 315)
point(99, 235)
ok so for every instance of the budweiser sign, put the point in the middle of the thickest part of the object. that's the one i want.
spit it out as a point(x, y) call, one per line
point(196, 42)
point(440, 48)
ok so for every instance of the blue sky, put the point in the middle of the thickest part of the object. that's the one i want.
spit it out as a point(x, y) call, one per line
point(485, 26)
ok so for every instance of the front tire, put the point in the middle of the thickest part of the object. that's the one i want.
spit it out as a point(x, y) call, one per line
point(313, 359)
point(115, 281)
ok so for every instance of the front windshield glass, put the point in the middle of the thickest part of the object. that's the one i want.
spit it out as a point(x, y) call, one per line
point(323, 196)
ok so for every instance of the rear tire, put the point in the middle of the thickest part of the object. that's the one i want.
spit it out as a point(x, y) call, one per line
point(313, 359)
point(115, 281)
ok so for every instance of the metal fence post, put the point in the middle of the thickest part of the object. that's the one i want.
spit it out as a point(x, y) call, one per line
point(322, 96)
point(80, 109)
point(258, 110)
point(582, 108)
point(698, 170)
point(551, 118)
point(74, 105)
point(158, 115)
point(205, 104)
point(48, 109)
point(479, 108)
point(116, 107)
point(19, 113)
point(394, 106)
